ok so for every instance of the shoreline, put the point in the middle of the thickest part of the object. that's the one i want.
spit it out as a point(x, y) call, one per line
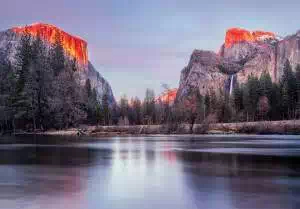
point(288, 127)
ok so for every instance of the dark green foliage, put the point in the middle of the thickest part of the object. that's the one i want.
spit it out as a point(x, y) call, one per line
point(93, 107)
point(275, 103)
point(288, 90)
point(250, 97)
point(265, 85)
point(149, 111)
point(106, 110)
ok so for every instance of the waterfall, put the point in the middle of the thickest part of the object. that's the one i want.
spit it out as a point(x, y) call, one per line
point(231, 85)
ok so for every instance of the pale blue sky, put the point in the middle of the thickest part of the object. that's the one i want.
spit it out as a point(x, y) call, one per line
point(139, 44)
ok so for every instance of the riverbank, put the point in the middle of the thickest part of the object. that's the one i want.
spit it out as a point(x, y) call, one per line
point(262, 127)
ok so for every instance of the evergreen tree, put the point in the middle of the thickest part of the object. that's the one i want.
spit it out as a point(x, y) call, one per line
point(40, 86)
point(99, 114)
point(106, 111)
point(265, 84)
point(289, 92)
point(137, 108)
point(7, 89)
point(149, 112)
point(250, 97)
point(91, 102)
point(275, 103)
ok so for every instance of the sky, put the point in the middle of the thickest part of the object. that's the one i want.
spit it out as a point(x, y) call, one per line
point(140, 44)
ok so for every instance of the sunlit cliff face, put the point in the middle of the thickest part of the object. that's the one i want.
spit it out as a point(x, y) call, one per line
point(236, 35)
point(73, 46)
point(168, 96)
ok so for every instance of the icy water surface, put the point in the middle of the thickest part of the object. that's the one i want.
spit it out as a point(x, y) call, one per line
point(163, 172)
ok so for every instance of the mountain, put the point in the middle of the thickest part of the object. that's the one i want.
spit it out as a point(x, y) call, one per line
point(73, 46)
point(242, 54)
point(167, 96)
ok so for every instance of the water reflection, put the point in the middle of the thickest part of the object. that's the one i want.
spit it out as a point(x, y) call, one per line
point(131, 173)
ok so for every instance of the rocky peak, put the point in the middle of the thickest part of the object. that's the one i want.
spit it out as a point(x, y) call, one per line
point(168, 96)
point(237, 35)
point(73, 46)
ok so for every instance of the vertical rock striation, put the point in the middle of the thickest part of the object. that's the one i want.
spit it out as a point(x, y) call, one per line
point(244, 53)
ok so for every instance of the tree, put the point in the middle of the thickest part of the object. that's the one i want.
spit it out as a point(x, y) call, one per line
point(41, 78)
point(149, 112)
point(275, 102)
point(91, 102)
point(124, 107)
point(99, 114)
point(106, 111)
point(289, 92)
point(265, 85)
point(251, 96)
point(136, 117)
point(7, 90)
point(263, 107)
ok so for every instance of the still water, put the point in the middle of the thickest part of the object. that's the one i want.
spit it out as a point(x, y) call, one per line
point(174, 172)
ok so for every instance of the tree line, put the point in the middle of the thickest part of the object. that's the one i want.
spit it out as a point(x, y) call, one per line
point(257, 99)
point(41, 90)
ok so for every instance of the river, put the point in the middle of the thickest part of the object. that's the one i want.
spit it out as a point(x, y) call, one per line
point(178, 172)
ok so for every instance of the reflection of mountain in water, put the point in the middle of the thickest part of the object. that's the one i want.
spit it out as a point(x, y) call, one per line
point(233, 164)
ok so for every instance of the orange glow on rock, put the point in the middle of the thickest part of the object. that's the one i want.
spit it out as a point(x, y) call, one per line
point(236, 35)
point(168, 96)
point(73, 46)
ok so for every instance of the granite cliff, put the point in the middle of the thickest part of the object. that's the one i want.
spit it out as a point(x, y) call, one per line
point(73, 46)
point(242, 54)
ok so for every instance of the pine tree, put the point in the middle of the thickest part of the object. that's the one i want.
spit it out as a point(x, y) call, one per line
point(137, 111)
point(149, 112)
point(91, 101)
point(289, 92)
point(40, 86)
point(99, 114)
point(7, 87)
point(275, 102)
point(106, 111)
point(265, 85)
point(251, 96)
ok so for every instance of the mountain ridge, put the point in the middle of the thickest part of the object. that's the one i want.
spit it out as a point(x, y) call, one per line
point(209, 71)
point(10, 38)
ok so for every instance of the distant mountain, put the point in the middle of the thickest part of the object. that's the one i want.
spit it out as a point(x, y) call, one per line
point(73, 46)
point(243, 53)
point(167, 96)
